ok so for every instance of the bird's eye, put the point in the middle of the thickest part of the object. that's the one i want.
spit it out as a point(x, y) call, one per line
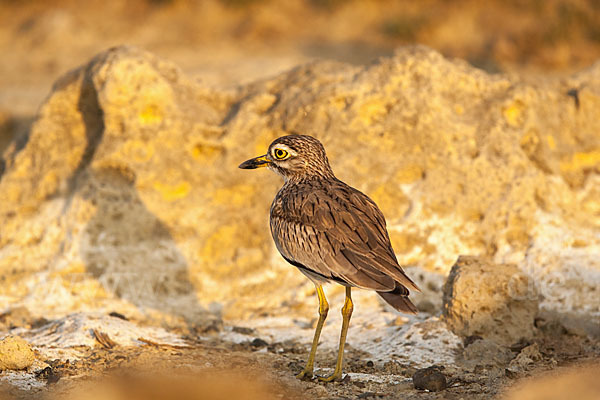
point(280, 154)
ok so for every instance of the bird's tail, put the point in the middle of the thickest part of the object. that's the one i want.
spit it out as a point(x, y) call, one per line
point(398, 298)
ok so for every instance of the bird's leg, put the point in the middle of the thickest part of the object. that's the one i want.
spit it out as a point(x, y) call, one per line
point(346, 314)
point(323, 310)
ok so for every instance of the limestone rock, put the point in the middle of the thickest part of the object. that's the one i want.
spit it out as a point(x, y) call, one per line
point(81, 329)
point(15, 353)
point(497, 302)
point(126, 189)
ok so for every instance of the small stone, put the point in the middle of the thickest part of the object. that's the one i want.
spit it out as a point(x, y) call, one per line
point(15, 353)
point(370, 364)
point(258, 342)
point(48, 374)
point(429, 378)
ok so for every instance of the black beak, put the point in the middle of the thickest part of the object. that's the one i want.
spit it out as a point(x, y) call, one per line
point(254, 163)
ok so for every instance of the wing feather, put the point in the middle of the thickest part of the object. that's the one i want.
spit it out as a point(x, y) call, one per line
point(339, 233)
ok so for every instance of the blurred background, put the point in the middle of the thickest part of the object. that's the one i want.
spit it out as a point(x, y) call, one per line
point(228, 42)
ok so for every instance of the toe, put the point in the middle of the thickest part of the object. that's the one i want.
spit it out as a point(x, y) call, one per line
point(331, 378)
point(305, 375)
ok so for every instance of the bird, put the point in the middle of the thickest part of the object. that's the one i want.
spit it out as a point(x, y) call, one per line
point(331, 232)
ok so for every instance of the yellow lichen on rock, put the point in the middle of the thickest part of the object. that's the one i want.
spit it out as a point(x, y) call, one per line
point(372, 109)
point(513, 113)
point(580, 161)
point(151, 114)
point(172, 192)
point(551, 142)
point(409, 174)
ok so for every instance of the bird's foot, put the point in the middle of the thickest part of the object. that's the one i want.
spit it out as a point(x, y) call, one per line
point(305, 375)
point(336, 376)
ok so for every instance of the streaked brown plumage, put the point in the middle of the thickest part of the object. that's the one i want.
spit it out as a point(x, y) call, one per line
point(330, 231)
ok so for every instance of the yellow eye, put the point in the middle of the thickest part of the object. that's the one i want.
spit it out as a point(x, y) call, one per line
point(280, 154)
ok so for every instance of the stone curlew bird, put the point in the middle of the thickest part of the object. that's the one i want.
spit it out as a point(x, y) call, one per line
point(331, 232)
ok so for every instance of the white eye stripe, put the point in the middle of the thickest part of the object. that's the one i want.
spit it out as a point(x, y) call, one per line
point(284, 148)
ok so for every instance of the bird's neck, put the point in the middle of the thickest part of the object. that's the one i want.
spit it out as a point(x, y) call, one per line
point(313, 175)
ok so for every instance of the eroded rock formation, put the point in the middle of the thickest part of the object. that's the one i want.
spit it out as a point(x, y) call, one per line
point(126, 188)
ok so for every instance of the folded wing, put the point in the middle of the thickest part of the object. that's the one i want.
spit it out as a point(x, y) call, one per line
point(338, 233)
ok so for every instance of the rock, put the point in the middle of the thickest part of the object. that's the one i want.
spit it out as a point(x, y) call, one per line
point(430, 378)
point(15, 353)
point(77, 330)
point(488, 353)
point(258, 342)
point(497, 302)
point(528, 356)
point(126, 189)
point(49, 374)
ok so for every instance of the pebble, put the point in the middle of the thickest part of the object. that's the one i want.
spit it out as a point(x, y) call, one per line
point(258, 342)
point(429, 378)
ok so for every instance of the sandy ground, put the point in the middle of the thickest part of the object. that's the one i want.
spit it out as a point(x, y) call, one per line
point(382, 354)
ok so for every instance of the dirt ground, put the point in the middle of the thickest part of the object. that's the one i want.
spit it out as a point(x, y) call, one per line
point(206, 366)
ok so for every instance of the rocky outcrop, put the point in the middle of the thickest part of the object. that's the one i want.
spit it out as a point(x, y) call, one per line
point(126, 189)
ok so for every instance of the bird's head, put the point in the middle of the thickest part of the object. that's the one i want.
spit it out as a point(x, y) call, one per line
point(294, 157)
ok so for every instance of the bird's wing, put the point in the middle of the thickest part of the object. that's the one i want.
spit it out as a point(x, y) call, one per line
point(339, 233)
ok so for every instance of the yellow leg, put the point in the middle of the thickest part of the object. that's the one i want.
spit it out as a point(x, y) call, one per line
point(346, 314)
point(323, 310)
